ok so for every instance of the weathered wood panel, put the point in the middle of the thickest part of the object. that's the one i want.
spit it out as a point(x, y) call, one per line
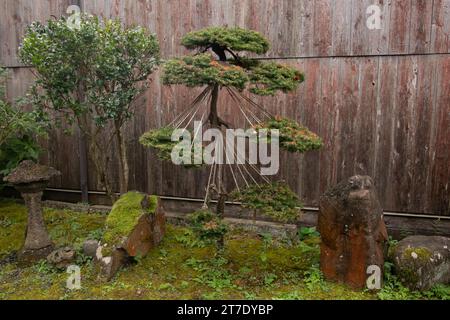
point(295, 27)
point(386, 116)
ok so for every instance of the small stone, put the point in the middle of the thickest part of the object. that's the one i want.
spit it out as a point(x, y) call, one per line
point(414, 255)
point(90, 248)
point(62, 258)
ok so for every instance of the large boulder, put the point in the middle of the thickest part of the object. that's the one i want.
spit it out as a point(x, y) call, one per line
point(352, 230)
point(135, 225)
point(422, 261)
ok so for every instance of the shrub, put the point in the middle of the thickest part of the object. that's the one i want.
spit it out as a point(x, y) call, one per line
point(90, 76)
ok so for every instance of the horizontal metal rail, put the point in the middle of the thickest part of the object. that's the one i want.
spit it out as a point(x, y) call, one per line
point(312, 209)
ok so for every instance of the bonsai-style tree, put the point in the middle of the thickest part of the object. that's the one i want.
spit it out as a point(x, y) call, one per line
point(89, 76)
point(218, 64)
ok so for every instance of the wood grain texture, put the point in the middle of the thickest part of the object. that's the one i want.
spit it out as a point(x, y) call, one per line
point(386, 116)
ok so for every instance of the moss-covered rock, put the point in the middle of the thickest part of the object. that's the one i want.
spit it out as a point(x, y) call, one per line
point(125, 215)
point(135, 225)
point(422, 261)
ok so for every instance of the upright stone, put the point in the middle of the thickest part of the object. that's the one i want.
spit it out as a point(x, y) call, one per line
point(30, 179)
point(352, 230)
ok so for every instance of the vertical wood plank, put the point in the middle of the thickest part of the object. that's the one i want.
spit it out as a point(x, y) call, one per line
point(420, 32)
point(440, 28)
point(400, 17)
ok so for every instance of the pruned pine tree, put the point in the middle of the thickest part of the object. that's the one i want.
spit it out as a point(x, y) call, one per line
point(218, 65)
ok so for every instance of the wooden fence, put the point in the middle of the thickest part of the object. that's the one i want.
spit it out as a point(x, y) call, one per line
point(380, 99)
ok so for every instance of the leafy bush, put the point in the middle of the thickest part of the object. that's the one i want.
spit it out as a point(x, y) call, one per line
point(90, 76)
point(17, 132)
point(15, 150)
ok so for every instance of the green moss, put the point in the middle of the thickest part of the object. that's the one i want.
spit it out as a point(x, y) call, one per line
point(410, 267)
point(124, 216)
point(65, 227)
point(172, 271)
point(423, 254)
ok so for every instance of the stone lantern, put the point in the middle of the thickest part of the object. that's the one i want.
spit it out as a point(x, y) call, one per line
point(30, 179)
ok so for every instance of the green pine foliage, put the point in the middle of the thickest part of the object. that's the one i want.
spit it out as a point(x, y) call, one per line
point(275, 200)
point(293, 136)
point(267, 78)
point(236, 39)
point(240, 72)
point(161, 140)
point(203, 69)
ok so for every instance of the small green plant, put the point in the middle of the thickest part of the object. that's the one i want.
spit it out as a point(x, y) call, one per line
point(295, 295)
point(269, 279)
point(307, 232)
point(96, 234)
point(44, 267)
point(207, 226)
point(393, 289)
point(190, 239)
point(439, 292)
point(313, 279)
point(275, 200)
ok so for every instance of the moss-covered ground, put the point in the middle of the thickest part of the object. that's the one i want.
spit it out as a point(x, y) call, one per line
point(252, 266)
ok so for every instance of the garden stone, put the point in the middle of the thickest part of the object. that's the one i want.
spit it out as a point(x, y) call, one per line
point(90, 248)
point(352, 230)
point(135, 225)
point(422, 261)
point(108, 266)
point(30, 179)
point(62, 258)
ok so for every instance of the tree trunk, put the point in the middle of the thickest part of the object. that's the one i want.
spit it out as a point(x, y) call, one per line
point(215, 123)
point(124, 170)
point(82, 149)
point(100, 159)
